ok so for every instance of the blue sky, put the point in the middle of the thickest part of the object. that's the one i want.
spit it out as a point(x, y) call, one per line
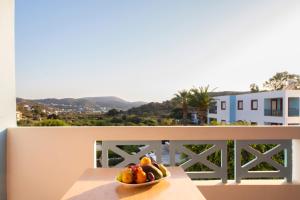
point(147, 50)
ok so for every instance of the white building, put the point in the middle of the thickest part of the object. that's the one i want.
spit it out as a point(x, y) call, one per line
point(262, 108)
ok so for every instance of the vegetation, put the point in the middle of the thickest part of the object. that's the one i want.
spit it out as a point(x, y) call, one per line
point(283, 80)
point(51, 122)
point(200, 99)
point(254, 88)
point(182, 97)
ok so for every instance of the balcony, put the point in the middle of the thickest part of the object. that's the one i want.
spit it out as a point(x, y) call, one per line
point(43, 163)
point(293, 112)
point(273, 113)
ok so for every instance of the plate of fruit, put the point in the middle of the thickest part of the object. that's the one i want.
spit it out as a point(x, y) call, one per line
point(146, 172)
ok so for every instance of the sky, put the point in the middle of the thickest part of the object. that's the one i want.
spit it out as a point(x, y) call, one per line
point(142, 50)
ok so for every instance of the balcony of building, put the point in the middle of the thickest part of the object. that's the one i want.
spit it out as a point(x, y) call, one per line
point(43, 163)
point(273, 107)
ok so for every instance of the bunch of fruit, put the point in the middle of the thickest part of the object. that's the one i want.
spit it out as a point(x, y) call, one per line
point(146, 170)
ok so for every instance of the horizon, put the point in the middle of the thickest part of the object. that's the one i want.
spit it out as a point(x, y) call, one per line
point(118, 97)
point(147, 51)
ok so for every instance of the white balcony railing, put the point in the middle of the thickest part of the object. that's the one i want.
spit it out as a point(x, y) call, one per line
point(211, 169)
point(43, 163)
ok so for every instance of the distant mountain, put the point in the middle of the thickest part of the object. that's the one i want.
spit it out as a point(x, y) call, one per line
point(114, 102)
point(85, 104)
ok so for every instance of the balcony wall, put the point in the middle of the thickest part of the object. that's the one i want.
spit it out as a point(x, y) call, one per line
point(2, 163)
point(42, 163)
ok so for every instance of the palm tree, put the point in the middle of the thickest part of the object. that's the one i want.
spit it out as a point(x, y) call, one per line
point(182, 98)
point(200, 99)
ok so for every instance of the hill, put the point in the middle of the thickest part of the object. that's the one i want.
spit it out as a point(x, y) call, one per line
point(84, 104)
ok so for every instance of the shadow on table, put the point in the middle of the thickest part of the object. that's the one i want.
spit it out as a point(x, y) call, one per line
point(142, 192)
point(112, 191)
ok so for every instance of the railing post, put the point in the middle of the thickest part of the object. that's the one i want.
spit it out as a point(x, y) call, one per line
point(172, 152)
point(104, 154)
point(237, 162)
point(296, 161)
point(288, 161)
point(224, 162)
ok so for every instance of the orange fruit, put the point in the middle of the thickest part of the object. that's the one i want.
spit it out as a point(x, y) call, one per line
point(145, 161)
point(127, 175)
point(141, 176)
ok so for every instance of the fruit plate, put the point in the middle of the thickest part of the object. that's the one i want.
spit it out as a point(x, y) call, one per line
point(144, 184)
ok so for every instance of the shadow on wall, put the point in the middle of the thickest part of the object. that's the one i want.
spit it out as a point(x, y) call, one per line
point(2, 163)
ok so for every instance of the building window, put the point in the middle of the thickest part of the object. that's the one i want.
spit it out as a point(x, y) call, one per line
point(223, 105)
point(254, 104)
point(213, 108)
point(293, 107)
point(273, 107)
point(240, 105)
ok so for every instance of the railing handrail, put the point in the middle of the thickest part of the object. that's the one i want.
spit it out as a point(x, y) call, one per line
point(175, 132)
point(275, 113)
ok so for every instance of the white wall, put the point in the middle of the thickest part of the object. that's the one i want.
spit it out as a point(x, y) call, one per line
point(257, 115)
point(221, 114)
point(7, 65)
point(292, 93)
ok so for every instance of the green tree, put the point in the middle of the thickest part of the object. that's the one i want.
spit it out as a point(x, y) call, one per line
point(283, 80)
point(176, 113)
point(112, 112)
point(182, 98)
point(51, 122)
point(200, 99)
point(254, 88)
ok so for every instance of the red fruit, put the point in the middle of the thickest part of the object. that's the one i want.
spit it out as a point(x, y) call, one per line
point(150, 176)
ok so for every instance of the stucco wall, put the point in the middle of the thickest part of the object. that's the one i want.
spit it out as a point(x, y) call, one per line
point(7, 65)
point(221, 114)
point(43, 163)
point(2, 164)
point(258, 115)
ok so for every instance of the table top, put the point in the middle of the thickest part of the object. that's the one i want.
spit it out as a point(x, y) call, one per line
point(100, 183)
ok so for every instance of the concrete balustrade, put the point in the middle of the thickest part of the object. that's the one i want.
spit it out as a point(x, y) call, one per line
point(43, 163)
